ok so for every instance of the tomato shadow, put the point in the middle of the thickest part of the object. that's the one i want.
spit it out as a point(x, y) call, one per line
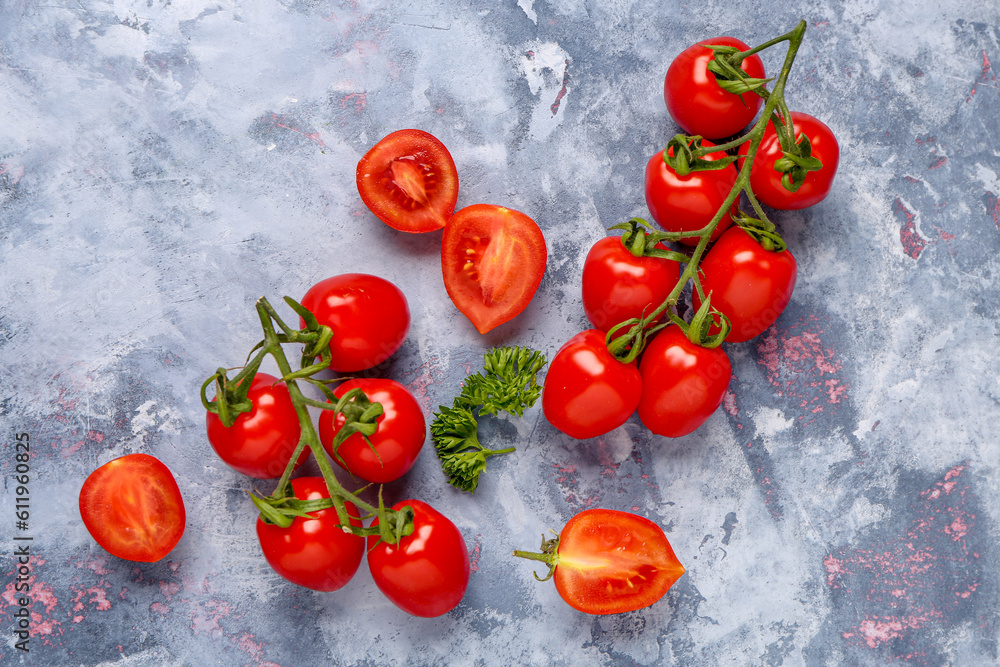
point(422, 246)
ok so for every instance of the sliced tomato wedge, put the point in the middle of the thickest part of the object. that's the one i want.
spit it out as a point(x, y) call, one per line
point(409, 181)
point(493, 259)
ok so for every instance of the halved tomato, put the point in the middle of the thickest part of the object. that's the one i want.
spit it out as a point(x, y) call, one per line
point(133, 508)
point(493, 259)
point(409, 181)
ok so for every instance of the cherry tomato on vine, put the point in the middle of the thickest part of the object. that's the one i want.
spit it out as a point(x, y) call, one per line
point(618, 286)
point(260, 442)
point(132, 507)
point(587, 391)
point(611, 562)
point(315, 553)
point(688, 203)
point(682, 383)
point(396, 442)
point(695, 100)
point(427, 572)
point(369, 317)
point(748, 284)
point(409, 181)
point(493, 259)
point(765, 180)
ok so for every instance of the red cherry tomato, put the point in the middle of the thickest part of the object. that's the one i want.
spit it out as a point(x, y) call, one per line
point(397, 440)
point(369, 317)
point(409, 181)
point(695, 100)
point(493, 259)
point(682, 383)
point(132, 507)
point(749, 284)
point(688, 203)
point(315, 553)
point(611, 562)
point(765, 180)
point(260, 442)
point(587, 391)
point(427, 572)
point(618, 286)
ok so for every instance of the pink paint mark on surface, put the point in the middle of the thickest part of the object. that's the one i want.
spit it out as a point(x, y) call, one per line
point(939, 162)
point(207, 616)
point(993, 207)
point(801, 366)
point(986, 77)
point(292, 125)
point(160, 608)
point(476, 553)
point(357, 101)
point(729, 404)
point(246, 643)
point(912, 578)
point(563, 90)
point(97, 597)
point(913, 242)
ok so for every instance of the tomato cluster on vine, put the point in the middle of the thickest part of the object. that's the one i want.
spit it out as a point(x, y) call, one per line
point(642, 356)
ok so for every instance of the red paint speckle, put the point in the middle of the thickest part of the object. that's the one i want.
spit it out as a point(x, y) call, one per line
point(913, 242)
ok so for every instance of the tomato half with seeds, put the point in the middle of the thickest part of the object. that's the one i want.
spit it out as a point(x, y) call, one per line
point(427, 572)
point(409, 181)
point(493, 259)
point(683, 383)
point(133, 508)
point(748, 284)
point(695, 100)
point(619, 286)
point(587, 391)
point(316, 552)
point(260, 442)
point(688, 203)
point(369, 316)
point(398, 438)
point(611, 562)
point(765, 180)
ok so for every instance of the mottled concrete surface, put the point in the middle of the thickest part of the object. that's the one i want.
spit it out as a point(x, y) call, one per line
point(164, 164)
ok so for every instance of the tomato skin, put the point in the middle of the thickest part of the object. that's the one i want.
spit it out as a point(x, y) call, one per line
point(765, 181)
point(695, 100)
point(492, 259)
point(260, 442)
point(683, 384)
point(611, 562)
point(618, 286)
point(409, 181)
point(133, 508)
point(314, 553)
point(749, 284)
point(369, 317)
point(397, 440)
point(688, 203)
point(426, 573)
point(587, 391)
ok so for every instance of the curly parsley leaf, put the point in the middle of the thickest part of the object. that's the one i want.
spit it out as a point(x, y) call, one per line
point(509, 384)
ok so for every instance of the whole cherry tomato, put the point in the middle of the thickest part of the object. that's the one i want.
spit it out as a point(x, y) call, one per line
point(133, 508)
point(400, 433)
point(493, 259)
point(618, 286)
point(748, 284)
point(260, 442)
point(587, 391)
point(688, 203)
point(315, 553)
point(409, 181)
point(610, 562)
point(695, 100)
point(765, 180)
point(427, 572)
point(682, 383)
point(369, 317)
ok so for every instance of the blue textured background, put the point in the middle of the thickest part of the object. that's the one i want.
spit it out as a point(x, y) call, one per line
point(164, 164)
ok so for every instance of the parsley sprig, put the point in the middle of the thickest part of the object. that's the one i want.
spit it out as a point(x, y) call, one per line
point(508, 383)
